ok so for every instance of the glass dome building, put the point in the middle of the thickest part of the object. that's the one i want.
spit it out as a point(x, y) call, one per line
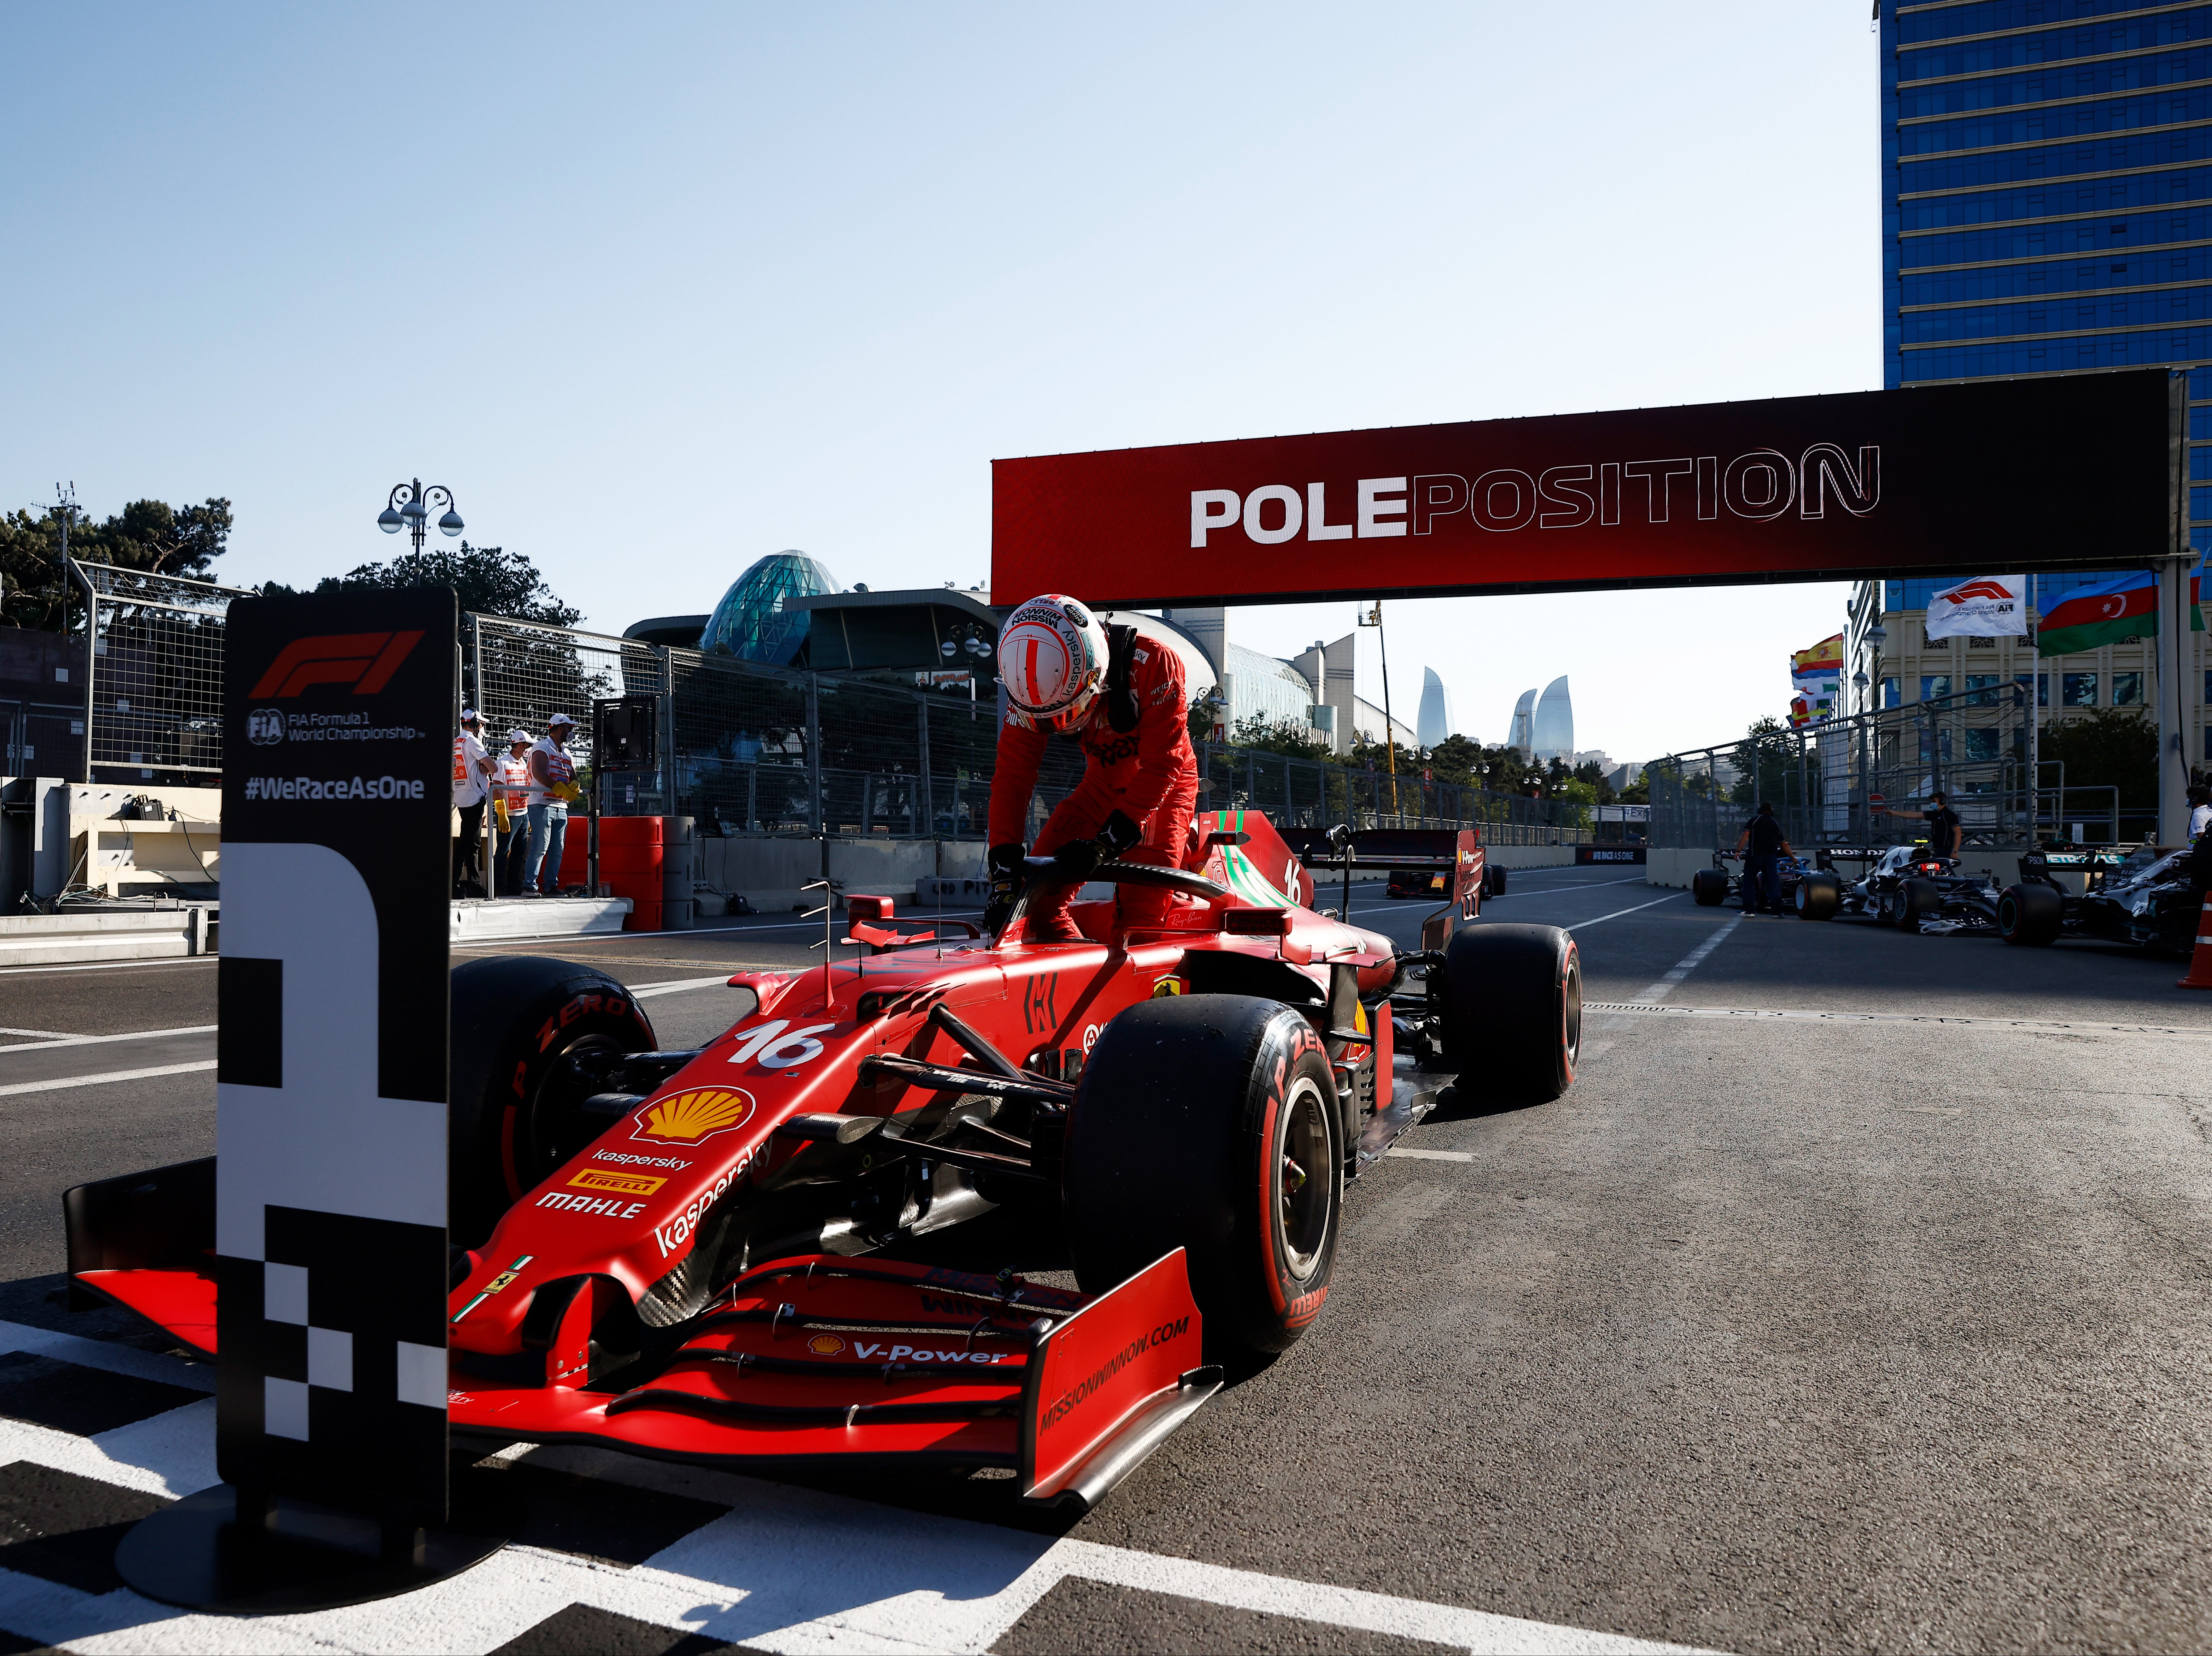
point(751, 624)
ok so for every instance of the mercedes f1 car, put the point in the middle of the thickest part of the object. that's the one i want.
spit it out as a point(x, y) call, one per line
point(700, 1255)
point(2151, 895)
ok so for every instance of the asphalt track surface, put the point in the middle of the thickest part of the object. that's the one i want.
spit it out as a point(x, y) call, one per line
point(1879, 1326)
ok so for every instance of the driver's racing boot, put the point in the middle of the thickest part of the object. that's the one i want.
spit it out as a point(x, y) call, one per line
point(1049, 921)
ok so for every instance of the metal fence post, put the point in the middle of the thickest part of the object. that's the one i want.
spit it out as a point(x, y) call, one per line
point(814, 756)
point(663, 712)
point(476, 661)
point(927, 827)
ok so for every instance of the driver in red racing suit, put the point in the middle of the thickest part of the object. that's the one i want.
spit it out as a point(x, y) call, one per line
point(1120, 697)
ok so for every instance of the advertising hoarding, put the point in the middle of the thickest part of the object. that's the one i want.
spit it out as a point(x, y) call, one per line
point(2068, 473)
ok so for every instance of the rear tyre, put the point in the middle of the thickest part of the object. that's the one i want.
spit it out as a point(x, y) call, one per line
point(1513, 1008)
point(2029, 915)
point(1917, 900)
point(513, 1116)
point(1708, 888)
point(1818, 896)
point(1209, 1123)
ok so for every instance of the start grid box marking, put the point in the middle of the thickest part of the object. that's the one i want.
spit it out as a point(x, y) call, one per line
point(1987, 1026)
point(781, 1568)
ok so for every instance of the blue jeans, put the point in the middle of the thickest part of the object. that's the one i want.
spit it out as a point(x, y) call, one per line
point(1762, 882)
point(548, 830)
point(512, 844)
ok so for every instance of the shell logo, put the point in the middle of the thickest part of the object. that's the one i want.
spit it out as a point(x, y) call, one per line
point(693, 1115)
point(825, 1345)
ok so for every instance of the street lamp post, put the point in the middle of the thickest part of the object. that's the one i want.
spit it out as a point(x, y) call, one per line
point(409, 506)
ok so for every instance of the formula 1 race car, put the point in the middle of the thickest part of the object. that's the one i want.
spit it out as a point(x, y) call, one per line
point(1910, 887)
point(1813, 892)
point(697, 1255)
point(2147, 894)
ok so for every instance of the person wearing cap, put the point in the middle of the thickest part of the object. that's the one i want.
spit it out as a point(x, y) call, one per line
point(472, 771)
point(511, 788)
point(552, 785)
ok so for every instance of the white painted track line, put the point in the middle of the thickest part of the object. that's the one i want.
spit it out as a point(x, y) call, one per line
point(647, 991)
point(111, 1076)
point(97, 1040)
point(784, 1569)
point(1577, 925)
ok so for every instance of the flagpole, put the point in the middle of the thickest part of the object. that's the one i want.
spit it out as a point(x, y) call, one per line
point(2034, 717)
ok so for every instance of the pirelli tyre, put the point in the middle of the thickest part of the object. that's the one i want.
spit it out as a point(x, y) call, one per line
point(1820, 894)
point(514, 1115)
point(1209, 1123)
point(1493, 880)
point(2029, 914)
point(1708, 888)
point(1513, 1009)
point(1917, 900)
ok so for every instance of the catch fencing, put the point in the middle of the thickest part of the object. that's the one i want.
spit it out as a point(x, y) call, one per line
point(1864, 780)
point(745, 749)
point(152, 691)
point(754, 750)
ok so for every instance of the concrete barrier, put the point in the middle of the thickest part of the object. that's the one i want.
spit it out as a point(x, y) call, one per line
point(501, 919)
point(47, 939)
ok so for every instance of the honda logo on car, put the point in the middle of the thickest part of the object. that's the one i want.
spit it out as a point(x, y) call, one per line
point(1069, 1400)
point(1760, 485)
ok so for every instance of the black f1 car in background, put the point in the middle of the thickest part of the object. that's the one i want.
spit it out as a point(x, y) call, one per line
point(2149, 895)
point(1415, 861)
point(1813, 892)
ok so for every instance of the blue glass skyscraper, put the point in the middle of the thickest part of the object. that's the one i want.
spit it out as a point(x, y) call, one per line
point(2047, 194)
point(2046, 188)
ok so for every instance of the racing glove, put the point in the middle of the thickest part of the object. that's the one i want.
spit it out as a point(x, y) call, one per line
point(1117, 833)
point(1004, 865)
point(1080, 857)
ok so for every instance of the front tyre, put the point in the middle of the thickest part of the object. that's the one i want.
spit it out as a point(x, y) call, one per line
point(1209, 1123)
point(2029, 914)
point(1708, 888)
point(513, 1116)
point(1818, 896)
point(1918, 900)
point(1513, 1009)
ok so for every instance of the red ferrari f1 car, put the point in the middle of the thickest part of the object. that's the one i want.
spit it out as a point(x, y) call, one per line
point(696, 1255)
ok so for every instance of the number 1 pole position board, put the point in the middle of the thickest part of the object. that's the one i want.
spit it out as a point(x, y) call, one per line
point(331, 1056)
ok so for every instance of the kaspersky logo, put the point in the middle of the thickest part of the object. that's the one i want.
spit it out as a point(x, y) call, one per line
point(1983, 588)
point(360, 662)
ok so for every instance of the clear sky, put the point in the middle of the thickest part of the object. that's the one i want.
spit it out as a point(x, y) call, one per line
point(659, 288)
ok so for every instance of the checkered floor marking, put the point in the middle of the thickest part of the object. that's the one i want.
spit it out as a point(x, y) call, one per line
point(627, 1555)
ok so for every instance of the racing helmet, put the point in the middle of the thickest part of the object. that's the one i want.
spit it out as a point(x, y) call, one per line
point(1052, 660)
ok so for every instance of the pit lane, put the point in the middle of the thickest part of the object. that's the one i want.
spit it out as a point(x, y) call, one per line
point(1821, 1332)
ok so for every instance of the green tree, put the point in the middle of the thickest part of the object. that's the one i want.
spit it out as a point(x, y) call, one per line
point(146, 535)
point(2111, 748)
point(1289, 739)
point(490, 579)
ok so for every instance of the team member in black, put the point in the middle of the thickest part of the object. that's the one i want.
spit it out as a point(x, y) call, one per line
point(1944, 831)
point(1763, 847)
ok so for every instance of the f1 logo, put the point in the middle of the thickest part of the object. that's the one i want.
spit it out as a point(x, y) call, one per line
point(362, 663)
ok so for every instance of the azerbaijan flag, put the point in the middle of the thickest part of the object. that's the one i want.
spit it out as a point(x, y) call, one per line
point(2120, 606)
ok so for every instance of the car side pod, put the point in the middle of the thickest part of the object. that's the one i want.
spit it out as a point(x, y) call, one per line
point(1106, 1387)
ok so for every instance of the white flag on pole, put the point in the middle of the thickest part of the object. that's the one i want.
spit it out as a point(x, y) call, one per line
point(1981, 607)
